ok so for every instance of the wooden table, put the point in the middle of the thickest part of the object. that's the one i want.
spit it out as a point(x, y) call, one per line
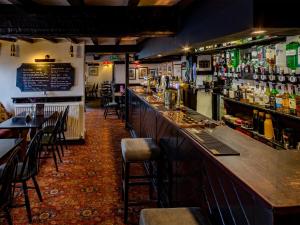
point(6, 147)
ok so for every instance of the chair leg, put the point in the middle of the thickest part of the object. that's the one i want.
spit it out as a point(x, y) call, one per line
point(27, 202)
point(126, 187)
point(58, 153)
point(105, 112)
point(37, 188)
point(65, 140)
point(54, 158)
point(150, 183)
point(8, 216)
point(61, 144)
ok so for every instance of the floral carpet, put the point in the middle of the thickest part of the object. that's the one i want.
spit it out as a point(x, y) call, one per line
point(87, 188)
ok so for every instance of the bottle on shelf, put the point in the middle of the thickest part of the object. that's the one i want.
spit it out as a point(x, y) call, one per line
point(257, 95)
point(285, 100)
point(262, 96)
point(255, 120)
point(279, 99)
point(268, 127)
point(292, 101)
point(272, 101)
point(267, 95)
point(238, 94)
point(261, 122)
point(298, 101)
point(292, 55)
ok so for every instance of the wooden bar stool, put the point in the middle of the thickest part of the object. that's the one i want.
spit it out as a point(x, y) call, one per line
point(137, 150)
point(172, 216)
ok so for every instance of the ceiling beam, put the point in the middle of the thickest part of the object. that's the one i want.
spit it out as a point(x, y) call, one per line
point(10, 39)
point(133, 3)
point(74, 40)
point(53, 40)
point(107, 49)
point(76, 2)
point(118, 41)
point(95, 41)
point(61, 21)
point(28, 40)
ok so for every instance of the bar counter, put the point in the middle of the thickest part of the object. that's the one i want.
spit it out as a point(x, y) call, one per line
point(259, 186)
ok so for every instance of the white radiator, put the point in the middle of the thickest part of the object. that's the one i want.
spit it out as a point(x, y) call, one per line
point(75, 122)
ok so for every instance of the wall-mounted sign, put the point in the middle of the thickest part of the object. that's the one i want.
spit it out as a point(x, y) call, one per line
point(45, 77)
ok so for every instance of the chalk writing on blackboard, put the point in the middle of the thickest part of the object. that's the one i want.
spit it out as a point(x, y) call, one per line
point(33, 77)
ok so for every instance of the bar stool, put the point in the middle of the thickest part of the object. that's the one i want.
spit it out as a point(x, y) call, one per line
point(173, 216)
point(136, 150)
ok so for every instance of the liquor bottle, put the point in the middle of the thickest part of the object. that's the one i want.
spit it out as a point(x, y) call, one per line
point(292, 101)
point(268, 127)
point(235, 57)
point(238, 93)
point(272, 100)
point(262, 96)
point(257, 95)
point(298, 101)
point(261, 123)
point(255, 120)
point(267, 96)
point(279, 99)
point(285, 100)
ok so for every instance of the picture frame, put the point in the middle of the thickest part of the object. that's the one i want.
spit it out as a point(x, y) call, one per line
point(170, 69)
point(143, 71)
point(93, 70)
point(132, 74)
point(153, 72)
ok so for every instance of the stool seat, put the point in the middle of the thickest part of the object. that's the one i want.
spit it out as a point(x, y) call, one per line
point(172, 216)
point(139, 149)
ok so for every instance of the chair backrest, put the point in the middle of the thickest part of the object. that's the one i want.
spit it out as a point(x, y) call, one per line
point(56, 128)
point(30, 162)
point(64, 120)
point(7, 177)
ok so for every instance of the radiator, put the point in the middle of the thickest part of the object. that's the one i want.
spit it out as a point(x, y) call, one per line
point(75, 122)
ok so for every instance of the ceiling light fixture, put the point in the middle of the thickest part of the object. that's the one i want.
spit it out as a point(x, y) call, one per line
point(159, 55)
point(259, 32)
point(186, 48)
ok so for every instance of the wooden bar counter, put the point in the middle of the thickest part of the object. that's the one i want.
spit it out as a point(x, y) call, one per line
point(258, 186)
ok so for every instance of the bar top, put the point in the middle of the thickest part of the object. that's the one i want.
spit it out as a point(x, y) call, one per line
point(272, 174)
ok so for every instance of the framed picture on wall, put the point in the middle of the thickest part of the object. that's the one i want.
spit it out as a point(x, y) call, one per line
point(143, 72)
point(132, 74)
point(93, 71)
point(170, 69)
point(152, 72)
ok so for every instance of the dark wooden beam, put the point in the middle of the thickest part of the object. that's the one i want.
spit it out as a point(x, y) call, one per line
point(53, 40)
point(133, 3)
point(61, 21)
point(29, 40)
point(76, 2)
point(95, 41)
point(106, 49)
point(118, 41)
point(10, 39)
point(74, 40)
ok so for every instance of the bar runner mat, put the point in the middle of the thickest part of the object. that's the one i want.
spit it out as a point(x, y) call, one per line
point(215, 146)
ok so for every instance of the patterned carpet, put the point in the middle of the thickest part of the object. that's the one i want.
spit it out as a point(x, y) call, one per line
point(86, 190)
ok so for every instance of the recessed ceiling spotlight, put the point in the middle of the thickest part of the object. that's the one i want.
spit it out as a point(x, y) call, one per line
point(259, 32)
point(159, 55)
point(186, 48)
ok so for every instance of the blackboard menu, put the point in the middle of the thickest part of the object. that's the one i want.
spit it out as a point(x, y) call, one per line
point(45, 77)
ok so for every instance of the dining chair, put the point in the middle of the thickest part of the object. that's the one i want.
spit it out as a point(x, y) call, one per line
point(50, 142)
point(8, 174)
point(62, 129)
point(28, 169)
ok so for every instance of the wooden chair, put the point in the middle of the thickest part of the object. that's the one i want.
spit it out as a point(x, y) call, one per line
point(8, 174)
point(28, 169)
